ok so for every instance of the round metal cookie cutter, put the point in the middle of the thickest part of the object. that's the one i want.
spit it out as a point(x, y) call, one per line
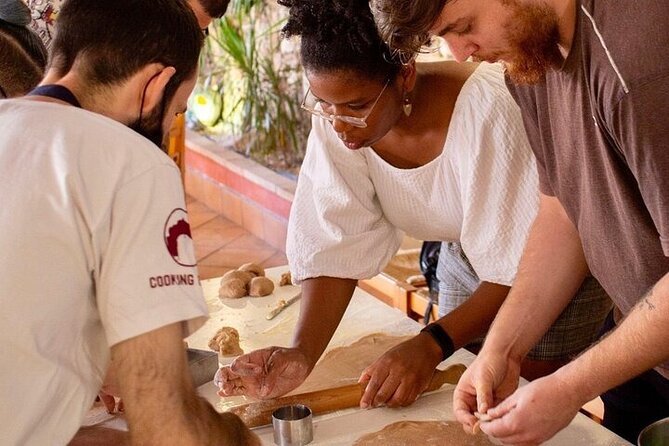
point(293, 425)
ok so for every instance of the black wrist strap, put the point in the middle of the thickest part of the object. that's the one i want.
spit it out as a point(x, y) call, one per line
point(442, 339)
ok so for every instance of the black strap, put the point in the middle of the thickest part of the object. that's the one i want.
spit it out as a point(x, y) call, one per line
point(57, 92)
point(441, 338)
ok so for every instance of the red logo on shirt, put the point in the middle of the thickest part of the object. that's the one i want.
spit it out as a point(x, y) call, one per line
point(178, 239)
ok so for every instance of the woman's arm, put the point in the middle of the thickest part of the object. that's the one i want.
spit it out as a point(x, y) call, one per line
point(275, 371)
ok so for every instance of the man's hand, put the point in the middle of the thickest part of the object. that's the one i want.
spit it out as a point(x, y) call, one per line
point(265, 373)
point(401, 374)
point(488, 380)
point(533, 413)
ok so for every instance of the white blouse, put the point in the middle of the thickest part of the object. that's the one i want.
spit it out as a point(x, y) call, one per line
point(351, 208)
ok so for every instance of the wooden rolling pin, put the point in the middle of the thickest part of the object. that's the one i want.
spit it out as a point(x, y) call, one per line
point(259, 413)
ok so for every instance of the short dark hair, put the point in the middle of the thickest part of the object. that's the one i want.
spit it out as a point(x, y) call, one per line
point(214, 8)
point(113, 40)
point(405, 24)
point(339, 35)
point(23, 56)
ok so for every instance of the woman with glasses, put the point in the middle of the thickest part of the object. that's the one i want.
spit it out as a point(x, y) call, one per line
point(434, 150)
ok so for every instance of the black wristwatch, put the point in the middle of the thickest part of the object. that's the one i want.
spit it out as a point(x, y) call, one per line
point(442, 338)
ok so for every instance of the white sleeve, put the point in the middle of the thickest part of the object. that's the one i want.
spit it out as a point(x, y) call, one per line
point(500, 188)
point(148, 278)
point(337, 227)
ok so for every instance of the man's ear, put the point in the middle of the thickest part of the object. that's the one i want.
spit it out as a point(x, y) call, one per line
point(157, 77)
point(408, 72)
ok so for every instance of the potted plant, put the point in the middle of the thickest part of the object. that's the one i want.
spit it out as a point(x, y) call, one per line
point(251, 87)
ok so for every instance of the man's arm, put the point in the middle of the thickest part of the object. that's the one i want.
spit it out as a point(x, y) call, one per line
point(639, 343)
point(550, 272)
point(537, 411)
point(160, 400)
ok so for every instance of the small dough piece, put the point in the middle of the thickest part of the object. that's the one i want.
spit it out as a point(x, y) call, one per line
point(244, 276)
point(482, 416)
point(286, 279)
point(253, 268)
point(226, 342)
point(232, 289)
point(260, 286)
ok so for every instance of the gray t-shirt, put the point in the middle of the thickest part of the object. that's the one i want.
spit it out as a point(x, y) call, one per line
point(600, 130)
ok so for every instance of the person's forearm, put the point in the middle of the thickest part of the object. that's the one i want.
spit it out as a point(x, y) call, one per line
point(551, 270)
point(213, 428)
point(161, 402)
point(473, 318)
point(638, 344)
point(324, 301)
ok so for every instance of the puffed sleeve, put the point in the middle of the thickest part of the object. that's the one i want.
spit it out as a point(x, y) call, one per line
point(337, 227)
point(500, 188)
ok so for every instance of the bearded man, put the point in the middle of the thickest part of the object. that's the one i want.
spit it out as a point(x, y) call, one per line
point(592, 80)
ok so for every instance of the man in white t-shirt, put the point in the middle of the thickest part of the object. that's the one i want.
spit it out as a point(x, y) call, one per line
point(97, 258)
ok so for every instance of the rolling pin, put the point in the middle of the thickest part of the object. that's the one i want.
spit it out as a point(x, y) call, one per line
point(259, 413)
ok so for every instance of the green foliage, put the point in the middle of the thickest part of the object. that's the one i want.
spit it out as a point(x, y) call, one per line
point(247, 89)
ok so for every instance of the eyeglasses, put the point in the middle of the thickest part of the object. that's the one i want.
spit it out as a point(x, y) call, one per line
point(314, 106)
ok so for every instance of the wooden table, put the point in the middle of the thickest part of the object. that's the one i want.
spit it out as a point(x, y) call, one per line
point(365, 315)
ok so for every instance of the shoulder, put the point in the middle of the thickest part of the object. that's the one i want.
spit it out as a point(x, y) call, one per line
point(118, 137)
point(486, 92)
point(637, 49)
point(92, 139)
point(485, 102)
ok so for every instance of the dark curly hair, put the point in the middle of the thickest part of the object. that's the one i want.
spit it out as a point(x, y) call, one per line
point(339, 35)
point(214, 8)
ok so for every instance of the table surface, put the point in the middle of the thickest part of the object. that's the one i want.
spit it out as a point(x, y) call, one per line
point(364, 315)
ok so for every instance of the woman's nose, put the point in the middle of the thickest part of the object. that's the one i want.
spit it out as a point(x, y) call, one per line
point(340, 126)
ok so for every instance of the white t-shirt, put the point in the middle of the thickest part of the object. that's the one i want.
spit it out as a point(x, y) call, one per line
point(351, 208)
point(96, 249)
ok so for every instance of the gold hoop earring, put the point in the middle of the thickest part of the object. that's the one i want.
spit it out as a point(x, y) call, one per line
point(407, 106)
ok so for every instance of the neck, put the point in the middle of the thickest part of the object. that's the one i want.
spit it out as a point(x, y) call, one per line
point(106, 101)
point(566, 13)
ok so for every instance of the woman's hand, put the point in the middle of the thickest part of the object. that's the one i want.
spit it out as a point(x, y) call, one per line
point(401, 374)
point(265, 373)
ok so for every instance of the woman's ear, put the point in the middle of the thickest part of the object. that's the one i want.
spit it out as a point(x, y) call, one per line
point(157, 77)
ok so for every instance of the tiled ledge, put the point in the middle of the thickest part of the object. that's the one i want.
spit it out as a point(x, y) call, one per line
point(249, 194)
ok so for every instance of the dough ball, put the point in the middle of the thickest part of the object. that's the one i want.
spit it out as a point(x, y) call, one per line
point(232, 289)
point(254, 268)
point(226, 342)
point(286, 279)
point(244, 276)
point(260, 286)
